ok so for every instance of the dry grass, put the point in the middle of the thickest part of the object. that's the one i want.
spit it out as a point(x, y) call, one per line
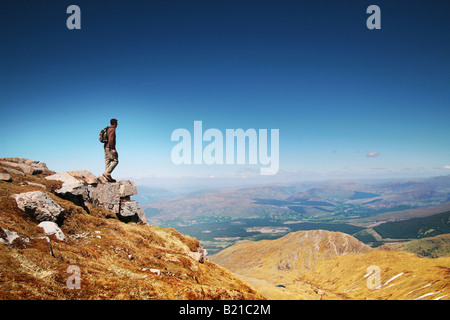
point(403, 276)
point(299, 267)
point(114, 258)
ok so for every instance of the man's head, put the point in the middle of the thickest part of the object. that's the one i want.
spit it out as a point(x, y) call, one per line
point(113, 122)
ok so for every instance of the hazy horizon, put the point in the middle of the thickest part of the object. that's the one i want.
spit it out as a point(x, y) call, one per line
point(179, 185)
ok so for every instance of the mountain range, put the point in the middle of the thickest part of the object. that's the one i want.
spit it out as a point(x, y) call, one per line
point(306, 200)
point(375, 213)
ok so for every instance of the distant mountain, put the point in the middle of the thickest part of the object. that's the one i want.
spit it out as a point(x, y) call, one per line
point(331, 265)
point(294, 253)
point(231, 202)
point(321, 201)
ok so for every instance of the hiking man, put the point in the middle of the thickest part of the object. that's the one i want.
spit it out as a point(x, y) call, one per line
point(111, 155)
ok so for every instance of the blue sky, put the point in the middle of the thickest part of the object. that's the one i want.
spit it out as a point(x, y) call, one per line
point(336, 91)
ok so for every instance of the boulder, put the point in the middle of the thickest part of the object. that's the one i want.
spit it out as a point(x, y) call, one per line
point(39, 205)
point(51, 228)
point(129, 212)
point(5, 177)
point(128, 208)
point(70, 184)
point(109, 195)
point(8, 237)
point(72, 189)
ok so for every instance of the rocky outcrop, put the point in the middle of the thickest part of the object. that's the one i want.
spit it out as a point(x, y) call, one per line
point(25, 165)
point(39, 205)
point(78, 186)
point(82, 188)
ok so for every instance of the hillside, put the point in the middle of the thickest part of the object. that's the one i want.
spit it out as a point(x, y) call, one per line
point(59, 241)
point(433, 247)
point(331, 265)
point(416, 227)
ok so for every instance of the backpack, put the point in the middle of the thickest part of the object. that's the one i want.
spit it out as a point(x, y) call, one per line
point(103, 135)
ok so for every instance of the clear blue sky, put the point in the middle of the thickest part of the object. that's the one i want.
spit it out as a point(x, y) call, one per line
point(337, 91)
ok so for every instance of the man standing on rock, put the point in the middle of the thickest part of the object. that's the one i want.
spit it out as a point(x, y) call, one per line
point(111, 155)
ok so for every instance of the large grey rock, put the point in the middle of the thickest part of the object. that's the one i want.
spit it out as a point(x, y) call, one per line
point(109, 195)
point(128, 208)
point(39, 205)
point(72, 189)
point(130, 212)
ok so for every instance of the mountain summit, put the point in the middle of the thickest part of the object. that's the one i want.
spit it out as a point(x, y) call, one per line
point(72, 236)
point(295, 253)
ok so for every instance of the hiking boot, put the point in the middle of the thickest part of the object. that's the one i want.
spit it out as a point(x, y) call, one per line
point(108, 178)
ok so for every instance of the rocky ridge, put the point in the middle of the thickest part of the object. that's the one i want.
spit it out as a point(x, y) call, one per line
point(53, 223)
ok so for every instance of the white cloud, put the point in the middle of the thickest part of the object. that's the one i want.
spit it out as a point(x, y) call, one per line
point(373, 154)
point(446, 167)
